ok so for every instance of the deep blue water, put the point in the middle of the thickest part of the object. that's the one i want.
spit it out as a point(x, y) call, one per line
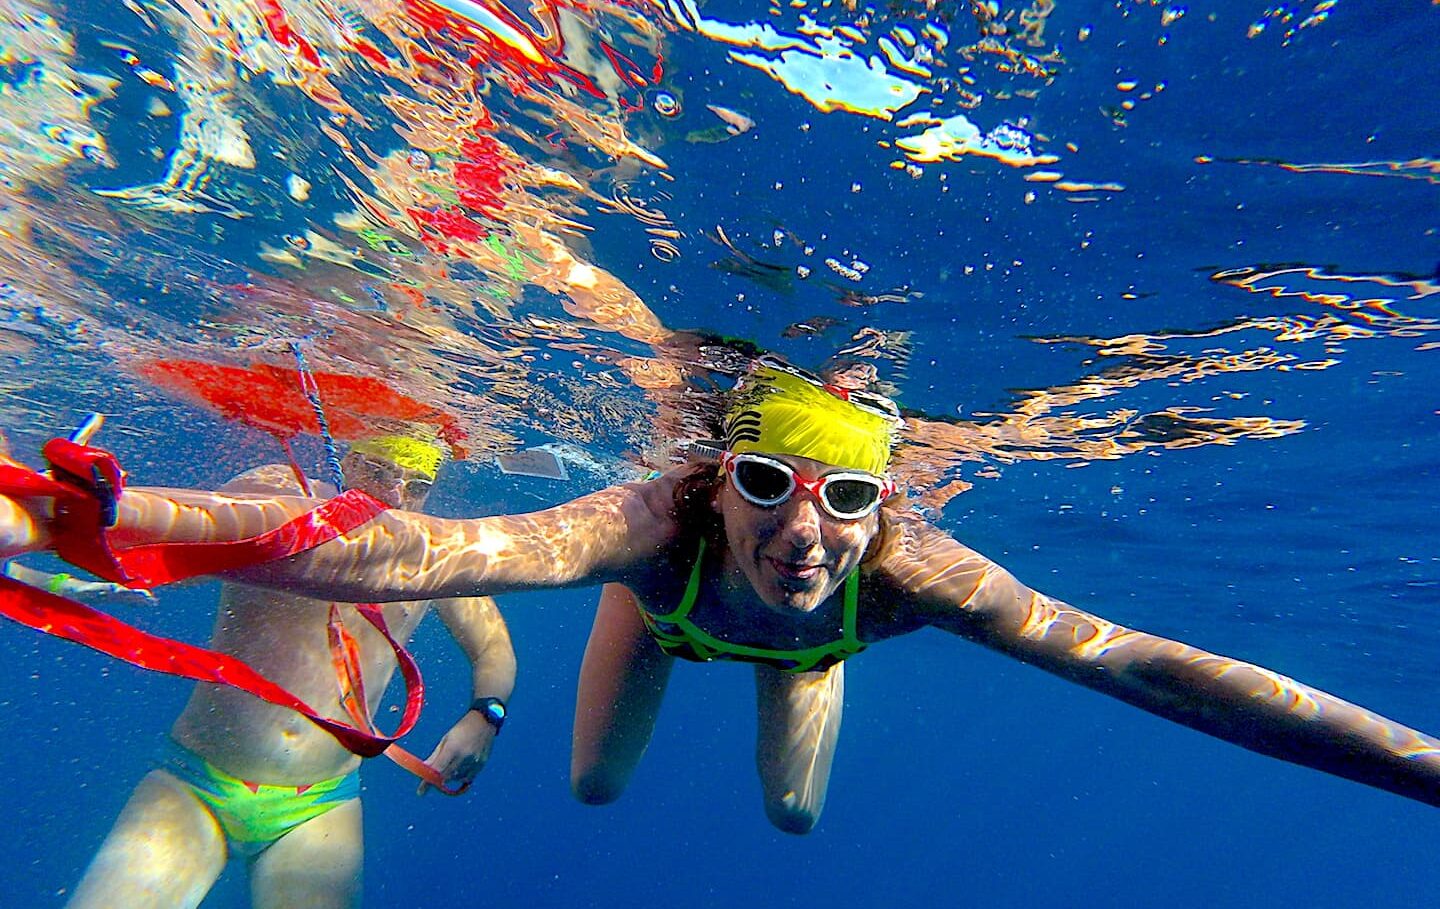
point(962, 777)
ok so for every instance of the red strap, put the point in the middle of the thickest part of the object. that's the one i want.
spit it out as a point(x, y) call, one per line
point(423, 770)
point(22, 482)
point(79, 528)
point(349, 675)
point(65, 619)
point(344, 655)
point(90, 483)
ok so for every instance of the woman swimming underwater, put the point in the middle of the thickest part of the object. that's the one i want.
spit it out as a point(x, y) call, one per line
point(788, 552)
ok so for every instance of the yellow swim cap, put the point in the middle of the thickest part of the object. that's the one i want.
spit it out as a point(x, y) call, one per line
point(404, 451)
point(781, 411)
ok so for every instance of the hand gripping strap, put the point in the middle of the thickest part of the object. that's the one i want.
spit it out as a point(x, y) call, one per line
point(88, 483)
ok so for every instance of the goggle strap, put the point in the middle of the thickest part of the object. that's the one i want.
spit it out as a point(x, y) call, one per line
point(703, 450)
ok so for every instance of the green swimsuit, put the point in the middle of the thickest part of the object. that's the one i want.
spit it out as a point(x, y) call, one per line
point(679, 636)
point(254, 815)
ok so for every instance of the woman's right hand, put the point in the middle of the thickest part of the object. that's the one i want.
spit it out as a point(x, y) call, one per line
point(24, 522)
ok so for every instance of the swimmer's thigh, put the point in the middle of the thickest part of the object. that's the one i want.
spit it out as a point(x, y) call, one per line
point(164, 852)
point(799, 722)
point(315, 866)
point(622, 682)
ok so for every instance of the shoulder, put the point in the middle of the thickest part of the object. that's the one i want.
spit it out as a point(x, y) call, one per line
point(663, 516)
point(659, 496)
point(905, 537)
point(924, 567)
point(270, 479)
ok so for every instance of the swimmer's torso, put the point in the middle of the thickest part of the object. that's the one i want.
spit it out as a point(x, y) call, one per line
point(285, 638)
point(727, 608)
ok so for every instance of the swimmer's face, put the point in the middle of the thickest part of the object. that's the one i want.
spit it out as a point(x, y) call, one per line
point(794, 554)
point(396, 486)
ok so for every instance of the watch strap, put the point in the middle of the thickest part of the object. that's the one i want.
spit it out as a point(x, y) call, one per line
point(492, 709)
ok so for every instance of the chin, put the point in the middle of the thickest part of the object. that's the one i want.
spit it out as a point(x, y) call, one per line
point(798, 602)
point(787, 597)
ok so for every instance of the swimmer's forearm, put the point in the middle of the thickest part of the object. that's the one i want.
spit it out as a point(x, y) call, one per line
point(959, 590)
point(1236, 701)
point(1268, 713)
point(154, 516)
point(158, 515)
point(477, 626)
point(492, 675)
point(402, 556)
point(358, 567)
point(395, 556)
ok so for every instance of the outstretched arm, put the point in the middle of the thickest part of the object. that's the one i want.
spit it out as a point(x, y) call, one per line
point(403, 556)
point(477, 626)
point(397, 555)
point(954, 588)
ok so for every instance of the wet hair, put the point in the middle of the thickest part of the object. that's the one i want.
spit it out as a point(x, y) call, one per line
point(695, 498)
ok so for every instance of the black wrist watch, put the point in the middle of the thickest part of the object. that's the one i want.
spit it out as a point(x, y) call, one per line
point(492, 709)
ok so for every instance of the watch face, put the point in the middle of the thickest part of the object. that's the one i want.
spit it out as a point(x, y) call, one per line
point(492, 709)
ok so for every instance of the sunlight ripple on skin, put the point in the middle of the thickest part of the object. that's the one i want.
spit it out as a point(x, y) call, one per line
point(1168, 678)
point(818, 697)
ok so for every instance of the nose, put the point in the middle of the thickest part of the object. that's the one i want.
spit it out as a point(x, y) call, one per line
point(801, 516)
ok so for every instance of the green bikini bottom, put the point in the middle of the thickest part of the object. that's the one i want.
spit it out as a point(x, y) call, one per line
point(255, 815)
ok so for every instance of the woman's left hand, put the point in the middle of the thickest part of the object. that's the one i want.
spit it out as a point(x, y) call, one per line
point(463, 751)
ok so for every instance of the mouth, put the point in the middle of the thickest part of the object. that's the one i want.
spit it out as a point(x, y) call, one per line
point(792, 571)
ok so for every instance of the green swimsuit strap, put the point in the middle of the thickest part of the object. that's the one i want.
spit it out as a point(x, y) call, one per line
point(709, 646)
point(692, 591)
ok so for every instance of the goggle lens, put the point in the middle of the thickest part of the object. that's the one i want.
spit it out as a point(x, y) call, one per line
point(763, 483)
point(386, 473)
point(850, 496)
point(416, 487)
point(768, 483)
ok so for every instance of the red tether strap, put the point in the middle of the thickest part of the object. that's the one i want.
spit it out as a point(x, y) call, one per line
point(55, 615)
point(157, 564)
point(345, 655)
point(79, 530)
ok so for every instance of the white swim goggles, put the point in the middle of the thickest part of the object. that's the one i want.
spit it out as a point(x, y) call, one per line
point(846, 495)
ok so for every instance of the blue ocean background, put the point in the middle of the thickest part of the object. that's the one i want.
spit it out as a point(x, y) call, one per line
point(962, 777)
